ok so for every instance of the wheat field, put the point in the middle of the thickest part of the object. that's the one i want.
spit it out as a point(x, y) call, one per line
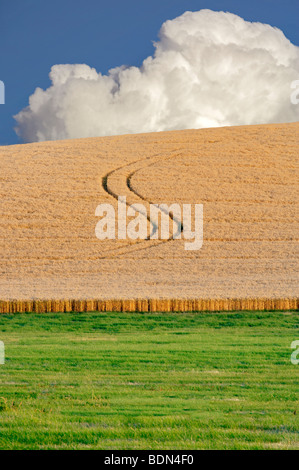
point(246, 178)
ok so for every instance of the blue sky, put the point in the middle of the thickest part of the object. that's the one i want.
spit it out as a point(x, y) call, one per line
point(36, 34)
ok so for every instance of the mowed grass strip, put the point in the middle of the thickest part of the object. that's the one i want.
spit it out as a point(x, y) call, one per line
point(149, 381)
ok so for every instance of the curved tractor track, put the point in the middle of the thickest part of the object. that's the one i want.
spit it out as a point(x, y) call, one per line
point(117, 183)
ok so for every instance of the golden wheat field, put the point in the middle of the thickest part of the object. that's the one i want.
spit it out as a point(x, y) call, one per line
point(246, 178)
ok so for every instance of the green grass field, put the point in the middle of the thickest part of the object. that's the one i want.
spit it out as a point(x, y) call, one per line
point(149, 381)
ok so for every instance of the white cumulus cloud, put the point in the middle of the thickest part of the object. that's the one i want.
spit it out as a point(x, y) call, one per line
point(209, 69)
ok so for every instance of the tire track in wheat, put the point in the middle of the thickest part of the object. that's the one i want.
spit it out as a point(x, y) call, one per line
point(111, 185)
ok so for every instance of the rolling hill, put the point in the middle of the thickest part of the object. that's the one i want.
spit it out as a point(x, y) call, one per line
point(246, 178)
